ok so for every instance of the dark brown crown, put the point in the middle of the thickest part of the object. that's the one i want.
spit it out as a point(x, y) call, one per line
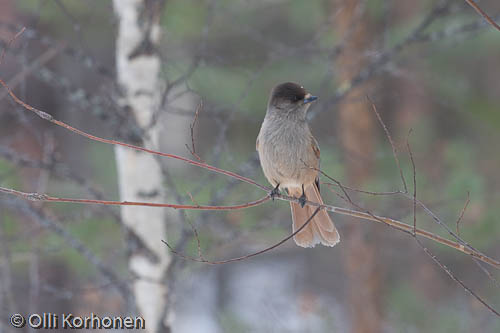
point(287, 92)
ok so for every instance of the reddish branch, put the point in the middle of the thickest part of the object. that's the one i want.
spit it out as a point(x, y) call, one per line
point(48, 198)
point(410, 229)
point(343, 211)
point(2, 56)
point(455, 278)
point(481, 12)
point(461, 245)
point(366, 216)
point(48, 117)
point(220, 262)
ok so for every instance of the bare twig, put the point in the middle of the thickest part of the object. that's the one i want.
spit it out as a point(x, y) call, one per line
point(394, 149)
point(75, 53)
point(414, 230)
point(487, 272)
point(427, 251)
point(410, 153)
point(375, 67)
point(192, 150)
point(198, 242)
point(267, 249)
point(343, 211)
point(387, 193)
point(10, 42)
point(462, 213)
point(381, 60)
point(44, 115)
point(37, 63)
point(44, 197)
point(50, 222)
point(192, 198)
point(59, 170)
point(461, 246)
point(454, 277)
point(481, 12)
point(419, 203)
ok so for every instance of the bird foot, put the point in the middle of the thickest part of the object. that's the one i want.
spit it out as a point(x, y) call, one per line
point(302, 200)
point(275, 192)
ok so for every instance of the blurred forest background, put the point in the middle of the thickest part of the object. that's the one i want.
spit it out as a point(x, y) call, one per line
point(430, 66)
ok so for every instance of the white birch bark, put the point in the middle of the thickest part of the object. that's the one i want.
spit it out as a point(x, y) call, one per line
point(139, 174)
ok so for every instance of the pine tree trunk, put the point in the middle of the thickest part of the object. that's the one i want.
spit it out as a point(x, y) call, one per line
point(356, 125)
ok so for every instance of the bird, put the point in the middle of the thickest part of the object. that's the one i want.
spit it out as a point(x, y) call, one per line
point(290, 159)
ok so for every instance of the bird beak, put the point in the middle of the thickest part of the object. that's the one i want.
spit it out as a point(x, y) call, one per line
point(310, 98)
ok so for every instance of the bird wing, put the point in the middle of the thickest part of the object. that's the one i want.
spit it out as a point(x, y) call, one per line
point(315, 146)
point(316, 151)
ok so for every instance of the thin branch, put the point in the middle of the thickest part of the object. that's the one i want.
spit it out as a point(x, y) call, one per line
point(385, 57)
point(192, 150)
point(44, 197)
point(9, 43)
point(413, 233)
point(34, 65)
point(59, 170)
point(481, 12)
point(388, 135)
point(414, 197)
point(343, 211)
point(74, 53)
point(487, 272)
point(462, 246)
point(426, 250)
point(414, 183)
point(44, 115)
point(416, 201)
point(462, 213)
point(403, 227)
point(455, 278)
point(454, 31)
point(360, 191)
point(267, 249)
point(420, 232)
point(51, 223)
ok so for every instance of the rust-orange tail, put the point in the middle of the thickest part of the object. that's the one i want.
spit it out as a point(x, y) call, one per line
point(321, 228)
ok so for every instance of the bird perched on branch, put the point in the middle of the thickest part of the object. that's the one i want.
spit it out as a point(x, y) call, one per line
point(289, 156)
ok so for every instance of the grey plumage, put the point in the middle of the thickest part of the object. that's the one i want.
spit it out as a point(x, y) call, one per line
point(288, 153)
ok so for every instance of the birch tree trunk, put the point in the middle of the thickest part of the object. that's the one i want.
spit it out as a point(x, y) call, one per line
point(139, 174)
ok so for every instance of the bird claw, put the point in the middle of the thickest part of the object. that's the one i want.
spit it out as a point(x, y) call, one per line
point(302, 200)
point(275, 192)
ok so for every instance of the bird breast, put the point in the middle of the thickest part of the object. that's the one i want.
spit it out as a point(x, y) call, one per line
point(285, 151)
